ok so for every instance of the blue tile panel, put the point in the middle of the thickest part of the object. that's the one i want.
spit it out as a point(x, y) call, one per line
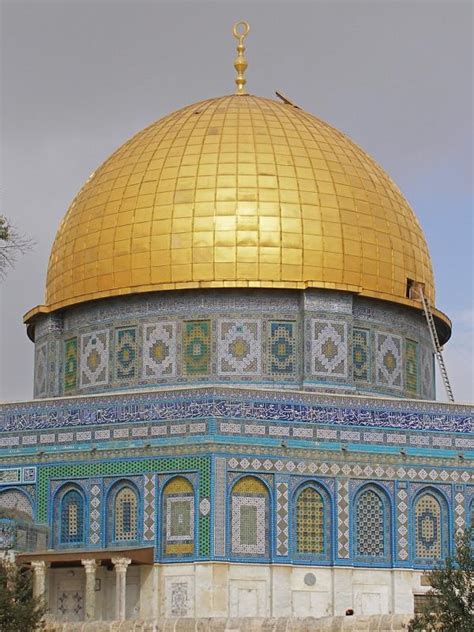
point(320, 338)
point(332, 510)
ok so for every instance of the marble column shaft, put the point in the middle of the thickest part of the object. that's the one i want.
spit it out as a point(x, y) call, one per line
point(120, 565)
point(39, 578)
point(90, 567)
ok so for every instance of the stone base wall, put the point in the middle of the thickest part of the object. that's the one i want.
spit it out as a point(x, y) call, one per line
point(236, 591)
point(372, 623)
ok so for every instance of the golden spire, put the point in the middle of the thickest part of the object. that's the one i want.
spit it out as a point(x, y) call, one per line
point(240, 31)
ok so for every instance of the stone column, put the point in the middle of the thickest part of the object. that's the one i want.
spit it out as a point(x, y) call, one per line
point(39, 578)
point(120, 565)
point(90, 567)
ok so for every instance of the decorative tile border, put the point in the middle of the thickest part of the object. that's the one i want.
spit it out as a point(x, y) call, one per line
point(149, 500)
point(220, 507)
point(95, 502)
point(353, 470)
point(343, 536)
point(12, 475)
point(235, 404)
point(282, 516)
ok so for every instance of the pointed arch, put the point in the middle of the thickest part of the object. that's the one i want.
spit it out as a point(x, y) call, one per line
point(179, 517)
point(123, 513)
point(430, 526)
point(250, 508)
point(16, 501)
point(70, 516)
point(372, 525)
point(312, 522)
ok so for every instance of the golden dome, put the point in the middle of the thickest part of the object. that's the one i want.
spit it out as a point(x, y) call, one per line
point(237, 192)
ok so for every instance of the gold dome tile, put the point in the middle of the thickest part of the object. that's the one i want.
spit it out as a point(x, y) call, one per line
point(238, 191)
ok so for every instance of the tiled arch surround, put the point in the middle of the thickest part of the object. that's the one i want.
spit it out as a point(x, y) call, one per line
point(311, 339)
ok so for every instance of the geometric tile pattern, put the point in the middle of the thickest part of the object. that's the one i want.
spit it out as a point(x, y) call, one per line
point(178, 525)
point(70, 364)
point(15, 500)
point(282, 348)
point(411, 366)
point(239, 347)
point(282, 518)
point(126, 515)
point(369, 524)
point(72, 518)
point(41, 369)
point(388, 360)
point(70, 605)
point(159, 350)
point(402, 524)
point(309, 522)
point(179, 601)
point(129, 467)
point(329, 348)
point(361, 355)
point(426, 372)
point(94, 363)
point(428, 527)
point(343, 518)
point(95, 513)
point(149, 507)
point(204, 507)
point(248, 525)
point(279, 318)
point(197, 347)
point(220, 507)
point(126, 354)
point(179, 513)
point(460, 513)
point(249, 517)
point(353, 470)
point(54, 362)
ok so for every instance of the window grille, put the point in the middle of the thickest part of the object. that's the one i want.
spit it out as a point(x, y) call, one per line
point(126, 514)
point(72, 518)
point(428, 543)
point(309, 522)
point(370, 528)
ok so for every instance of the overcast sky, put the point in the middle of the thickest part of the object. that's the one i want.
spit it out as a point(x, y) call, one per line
point(80, 77)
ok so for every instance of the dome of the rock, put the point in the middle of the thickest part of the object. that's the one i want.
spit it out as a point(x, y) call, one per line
point(233, 369)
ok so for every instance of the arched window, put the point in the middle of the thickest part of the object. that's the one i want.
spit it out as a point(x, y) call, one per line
point(428, 528)
point(249, 518)
point(126, 515)
point(72, 518)
point(178, 525)
point(372, 525)
point(310, 522)
point(17, 503)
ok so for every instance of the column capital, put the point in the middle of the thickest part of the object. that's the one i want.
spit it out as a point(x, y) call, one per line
point(39, 566)
point(90, 566)
point(121, 563)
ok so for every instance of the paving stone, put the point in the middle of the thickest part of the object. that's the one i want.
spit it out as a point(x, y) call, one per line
point(373, 623)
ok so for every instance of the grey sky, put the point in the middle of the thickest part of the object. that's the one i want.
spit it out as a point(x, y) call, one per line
point(80, 77)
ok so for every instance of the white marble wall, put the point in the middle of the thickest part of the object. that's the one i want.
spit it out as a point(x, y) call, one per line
point(66, 593)
point(239, 590)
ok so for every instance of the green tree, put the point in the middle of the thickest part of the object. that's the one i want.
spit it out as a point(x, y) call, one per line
point(450, 601)
point(19, 610)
